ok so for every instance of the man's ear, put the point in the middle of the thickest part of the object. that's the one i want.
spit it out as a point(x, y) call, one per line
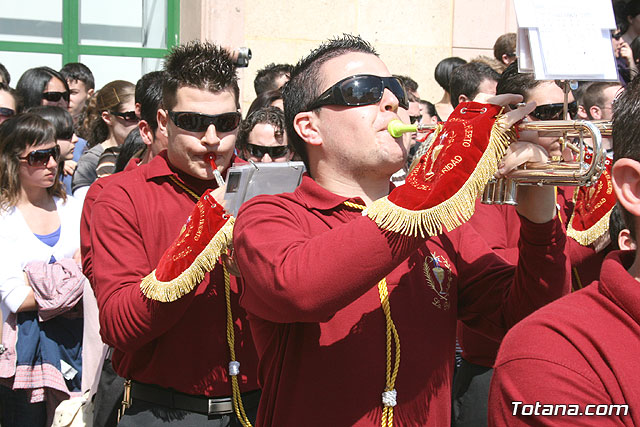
point(163, 120)
point(625, 241)
point(90, 93)
point(306, 125)
point(145, 132)
point(463, 98)
point(626, 184)
point(595, 112)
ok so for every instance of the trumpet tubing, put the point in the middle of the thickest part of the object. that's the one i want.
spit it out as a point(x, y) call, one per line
point(396, 128)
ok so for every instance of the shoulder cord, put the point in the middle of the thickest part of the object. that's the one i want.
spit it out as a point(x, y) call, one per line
point(234, 365)
point(390, 394)
point(576, 275)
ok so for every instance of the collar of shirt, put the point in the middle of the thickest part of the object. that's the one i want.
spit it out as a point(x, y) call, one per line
point(618, 285)
point(316, 197)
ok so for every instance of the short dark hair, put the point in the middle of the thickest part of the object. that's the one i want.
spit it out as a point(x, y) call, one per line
point(444, 68)
point(616, 225)
point(131, 146)
point(266, 77)
point(58, 117)
point(410, 86)
point(431, 109)
point(265, 99)
point(33, 82)
point(467, 78)
point(149, 95)
point(505, 44)
point(626, 115)
point(268, 115)
point(80, 72)
point(4, 73)
point(594, 95)
point(305, 82)
point(512, 81)
point(200, 65)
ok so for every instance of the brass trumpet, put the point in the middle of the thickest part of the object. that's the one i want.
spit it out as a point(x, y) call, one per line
point(575, 173)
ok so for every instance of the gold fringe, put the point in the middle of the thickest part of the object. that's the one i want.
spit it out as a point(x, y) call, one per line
point(174, 289)
point(456, 210)
point(587, 237)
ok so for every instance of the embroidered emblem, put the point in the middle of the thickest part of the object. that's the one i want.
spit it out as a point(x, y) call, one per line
point(438, 273)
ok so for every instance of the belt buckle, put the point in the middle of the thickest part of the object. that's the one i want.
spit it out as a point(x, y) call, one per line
point(220, 406)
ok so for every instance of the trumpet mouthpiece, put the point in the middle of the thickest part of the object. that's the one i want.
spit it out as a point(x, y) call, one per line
point(396, 128)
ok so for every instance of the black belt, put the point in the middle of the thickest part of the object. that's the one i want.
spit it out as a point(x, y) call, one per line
point(187, 402)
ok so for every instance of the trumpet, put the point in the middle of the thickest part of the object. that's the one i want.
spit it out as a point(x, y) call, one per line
point(574, 173)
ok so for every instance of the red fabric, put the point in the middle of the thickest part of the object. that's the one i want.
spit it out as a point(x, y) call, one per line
point(582, 349)
point(499, 227)
point(451, 158)
point(594, 202)
point(85, 219)
point(205, 220)
point(311, 266)
point(182, 344)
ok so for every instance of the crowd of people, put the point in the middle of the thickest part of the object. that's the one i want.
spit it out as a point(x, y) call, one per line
point(367, 296)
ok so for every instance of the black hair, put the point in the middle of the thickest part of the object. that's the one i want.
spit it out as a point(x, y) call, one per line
point(33, 82)
point(410, 86)
point(265, 99)
point(80, 72)
point(594, 96)
point(4, 73)
point(267, 76)
point(305, 82)
point(58, 117)
point(616, 225)
point(512, 81)
point(149, 95)
point(200, 65)
point(626, 115)
point(467, 78)
point(268, 115)
point(444, 68)
point(132, 146)
point(431, 109)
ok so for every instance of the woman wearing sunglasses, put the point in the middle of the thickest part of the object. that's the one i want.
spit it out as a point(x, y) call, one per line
point(43, 86)
point(261, 137)
point(8, 102)
point(109, 119)
point(40, 281)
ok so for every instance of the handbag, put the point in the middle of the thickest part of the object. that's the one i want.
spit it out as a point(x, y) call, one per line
point(74, 412)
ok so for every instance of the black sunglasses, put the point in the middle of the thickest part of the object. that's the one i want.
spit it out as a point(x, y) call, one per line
point(40, 158)
point(554, 111)
point(6, 112)
point(274, 152)
point(129, 116)
point(616, 35)
point(361, 89)
point(196, 122)
point(414, 119)
point(55, 96)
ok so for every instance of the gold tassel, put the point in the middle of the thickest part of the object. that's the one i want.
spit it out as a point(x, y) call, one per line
point(587, 237)
point(457, 209)
point(180, 286)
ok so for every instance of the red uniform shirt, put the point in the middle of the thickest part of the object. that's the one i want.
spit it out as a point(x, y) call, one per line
point(580, 350)
point(181, 344)
point(311, 265)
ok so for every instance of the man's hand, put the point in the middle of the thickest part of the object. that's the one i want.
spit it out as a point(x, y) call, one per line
point(69, 167)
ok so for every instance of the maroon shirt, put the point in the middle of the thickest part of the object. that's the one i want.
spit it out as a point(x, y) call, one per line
point(582, 349)
point(311, 265)
point(181, 344)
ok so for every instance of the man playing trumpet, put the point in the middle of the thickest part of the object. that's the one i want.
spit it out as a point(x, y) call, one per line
point(354, 313)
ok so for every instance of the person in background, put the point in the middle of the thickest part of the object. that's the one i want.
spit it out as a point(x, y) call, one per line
point(442, 74)
point(271, 77)
point(8, 102)
point(81, 86)
point(261, 137)
point(40, 278)
point(42, 86)
point(65, 137)
point(110, 117)
point(504, 49)
point(270, 98)
point(5, 77)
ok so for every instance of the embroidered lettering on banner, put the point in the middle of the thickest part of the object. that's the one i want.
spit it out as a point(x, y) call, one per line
point(437, 271)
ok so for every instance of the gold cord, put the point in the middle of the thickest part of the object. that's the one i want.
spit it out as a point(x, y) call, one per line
point(238, 407)
point(392, 339)
point(185, 188)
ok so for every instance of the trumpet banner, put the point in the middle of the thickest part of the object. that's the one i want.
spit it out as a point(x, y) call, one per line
point(441, 189)
point(593, 205)
point(204, 237)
